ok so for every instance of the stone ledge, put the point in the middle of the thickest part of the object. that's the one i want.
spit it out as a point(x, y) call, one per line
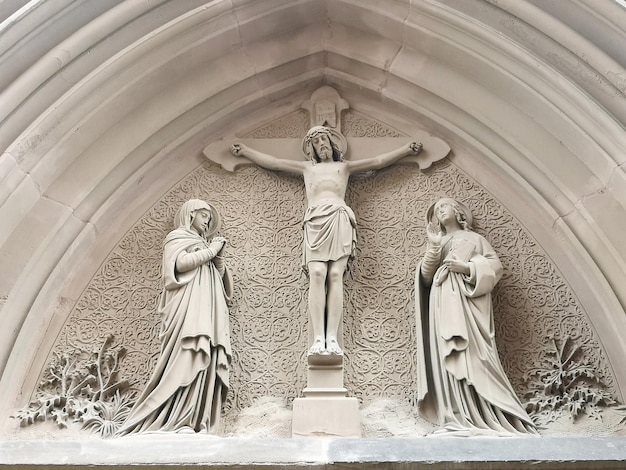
point(160, 451)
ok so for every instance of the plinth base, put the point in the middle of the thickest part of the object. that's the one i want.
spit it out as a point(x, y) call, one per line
point(206, 452)
point(332, 416)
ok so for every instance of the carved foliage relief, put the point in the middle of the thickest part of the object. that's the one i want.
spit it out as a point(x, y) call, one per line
point(262, 219)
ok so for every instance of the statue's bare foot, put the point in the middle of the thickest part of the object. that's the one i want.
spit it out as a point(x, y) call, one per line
point(333, 347)
point(185, 430)
point(318, 347)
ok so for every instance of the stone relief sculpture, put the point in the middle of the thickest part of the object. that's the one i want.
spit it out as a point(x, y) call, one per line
point(329, 224)
point(83, 386)
point(462, 386)
point(269, 335)
point(190, 381)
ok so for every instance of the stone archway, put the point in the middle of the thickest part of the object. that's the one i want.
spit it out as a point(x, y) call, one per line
point(97, 127)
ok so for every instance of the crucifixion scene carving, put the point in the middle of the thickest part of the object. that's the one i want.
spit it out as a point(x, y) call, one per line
point(329, 224)
point(320, 233)
point(327, 213)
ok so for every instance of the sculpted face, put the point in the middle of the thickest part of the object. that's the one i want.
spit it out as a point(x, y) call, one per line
point(201, 220)
point(321, 144)
point(444, 211)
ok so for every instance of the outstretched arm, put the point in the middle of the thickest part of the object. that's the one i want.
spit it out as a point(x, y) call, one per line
point(386, 159)
point(267, 161)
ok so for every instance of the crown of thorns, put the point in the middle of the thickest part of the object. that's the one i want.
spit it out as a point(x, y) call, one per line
point(315, 132)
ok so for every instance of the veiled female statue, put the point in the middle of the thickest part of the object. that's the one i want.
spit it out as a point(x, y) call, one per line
point(462, 386)
point(190, 381)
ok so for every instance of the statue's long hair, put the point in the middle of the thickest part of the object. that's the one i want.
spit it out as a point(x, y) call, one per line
point(461, 211)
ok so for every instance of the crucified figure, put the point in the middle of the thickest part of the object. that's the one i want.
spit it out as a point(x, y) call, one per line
point(329, 224)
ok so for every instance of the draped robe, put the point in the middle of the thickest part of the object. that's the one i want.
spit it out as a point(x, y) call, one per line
point(190, 380)
point(462, 386)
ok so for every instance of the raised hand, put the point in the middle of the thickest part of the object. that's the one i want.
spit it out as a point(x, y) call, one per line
point(434, 234)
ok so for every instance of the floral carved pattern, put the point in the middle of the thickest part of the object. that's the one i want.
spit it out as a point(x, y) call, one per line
point(292, 125)
point(355, 124)
point(262, 220)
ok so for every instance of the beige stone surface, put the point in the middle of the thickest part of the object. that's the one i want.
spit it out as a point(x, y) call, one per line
point(326, 417)
point(104, 108)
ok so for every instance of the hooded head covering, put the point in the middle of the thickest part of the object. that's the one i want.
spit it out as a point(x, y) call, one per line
point(185, 214)
point(463, 214)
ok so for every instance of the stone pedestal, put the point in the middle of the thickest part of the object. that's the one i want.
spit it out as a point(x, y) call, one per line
point(325, 410)
point(332, 417)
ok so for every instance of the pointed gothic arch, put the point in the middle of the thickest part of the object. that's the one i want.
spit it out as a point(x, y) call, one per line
point(99, 116)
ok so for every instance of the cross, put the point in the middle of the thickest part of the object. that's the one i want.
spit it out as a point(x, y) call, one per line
point(326, 159)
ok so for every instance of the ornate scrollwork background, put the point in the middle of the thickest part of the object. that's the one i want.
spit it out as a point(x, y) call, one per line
point(262, 213)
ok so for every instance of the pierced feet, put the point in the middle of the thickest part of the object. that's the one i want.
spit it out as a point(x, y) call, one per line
point(318, 347)
point(331, 347)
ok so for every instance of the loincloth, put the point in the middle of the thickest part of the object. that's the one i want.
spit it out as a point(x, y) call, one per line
point(329, 233)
